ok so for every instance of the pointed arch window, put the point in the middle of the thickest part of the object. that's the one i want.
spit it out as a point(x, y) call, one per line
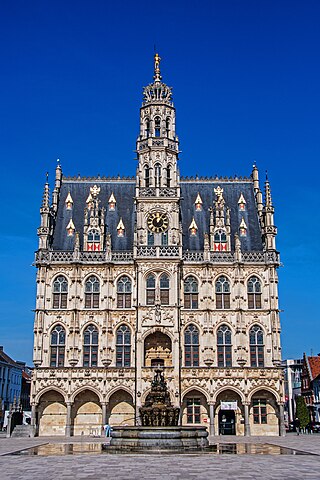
point(220, 241)
point(164, 239)
point(123, 346)
point(157, 126)
point(168, 173)
point(191, 346)
point(124, 291)
point(150, 238)
point(90, 346)
point(147, 125)
point(224, 346)
point(164, 289)
point(157, 173)
point(60, 292)
point(191, 292)
point(222, 293)
point(151, 289)
point(94, 236)
point(57, 346)
point(147, 176)
point(168, 126)
point(254, 292)
point(256, 346)
point(92, 292)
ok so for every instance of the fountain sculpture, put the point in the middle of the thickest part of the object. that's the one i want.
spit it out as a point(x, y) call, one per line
point(159, 430)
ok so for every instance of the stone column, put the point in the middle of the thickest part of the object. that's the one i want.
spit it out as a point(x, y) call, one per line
point(211, 414)
point(104, 420)
point(68, 422)
point(282, 428)
point(247, 432)
point(33, 420)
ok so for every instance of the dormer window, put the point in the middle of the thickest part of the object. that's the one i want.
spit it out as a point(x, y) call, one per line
point(243, 228)
point(198, 203)
point(69, 202)
point(93, 241)
point(120, 228)
point(220, 241)
point(70, 228)
point(242, 202)
point(193, 228)
point(157, 126)
point(112, 202)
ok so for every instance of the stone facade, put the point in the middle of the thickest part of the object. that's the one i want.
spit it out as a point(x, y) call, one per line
point(154, 270)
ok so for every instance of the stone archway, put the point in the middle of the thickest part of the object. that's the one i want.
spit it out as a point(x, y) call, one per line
point(229, 413)
point(157, 350)
point(52, 414)
point(86, 414)
point(121, 409)
point(195, 409)
point(264, 413)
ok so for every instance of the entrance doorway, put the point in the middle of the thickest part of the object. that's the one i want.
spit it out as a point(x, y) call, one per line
point(227, 423)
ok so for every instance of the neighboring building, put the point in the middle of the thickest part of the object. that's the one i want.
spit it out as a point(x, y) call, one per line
point(10, 382)
point(310, 385)
point(154, 270)
point(25, 388)
point(292, 386)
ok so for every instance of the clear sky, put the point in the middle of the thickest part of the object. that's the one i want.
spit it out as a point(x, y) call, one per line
point(246, 79)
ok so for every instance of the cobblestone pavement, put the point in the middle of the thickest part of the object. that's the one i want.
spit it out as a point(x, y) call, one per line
point(164, 467)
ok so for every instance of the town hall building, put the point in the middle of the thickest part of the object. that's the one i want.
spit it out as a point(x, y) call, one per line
point(157, 271)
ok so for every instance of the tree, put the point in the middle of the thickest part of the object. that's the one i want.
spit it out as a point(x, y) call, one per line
point(302, 412)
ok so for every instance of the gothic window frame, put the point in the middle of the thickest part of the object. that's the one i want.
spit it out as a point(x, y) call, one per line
point(124, 292)
point(168, 126)
point(220, 240)
point(157, 174)
point(164, 239)
point(92, 292)
point(147, 176)
point(93, 235)
point(147, 127)
point(168, 175)
point(259, 411)
point(224, 346)
point(157, 126)
point(164, 285)
point(91, 347)
point(151, 289)
point(191, 292)
point(123, 346)
point(223, 293)
point(60, 287)
point(193, 410)
point(150, 238)
point(191, 346)
point(256, 343)
point(254, 292)
point(57, 346)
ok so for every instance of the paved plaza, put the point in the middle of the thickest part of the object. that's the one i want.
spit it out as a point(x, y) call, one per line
point(183, 466)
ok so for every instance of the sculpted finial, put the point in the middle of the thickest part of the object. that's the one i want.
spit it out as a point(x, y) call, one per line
point(157, 61)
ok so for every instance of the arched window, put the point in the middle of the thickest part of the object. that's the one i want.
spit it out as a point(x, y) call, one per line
point(254, 292)
point(124, 292)
point(220, 241)
point(57, 346)
point(224, 346)
point(256, 347)
point(94, 236)
point(167, 126)
point(90, 346)
point(157, 126)
point(147, 176)
point(147, 132)
point(191, 346)
point(164, 289)
point(157, 174)
point(164, 239)
point(151, 289)
point(60, 292)
point(123, 346)
point(150, 238)
point(191, 292)
point(222, 293)
point(92, 292)
point(168, 172)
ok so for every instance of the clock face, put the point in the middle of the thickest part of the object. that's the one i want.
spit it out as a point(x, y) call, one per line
point(158, 222)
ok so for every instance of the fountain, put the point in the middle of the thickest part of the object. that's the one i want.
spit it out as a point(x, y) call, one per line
point(159, 430)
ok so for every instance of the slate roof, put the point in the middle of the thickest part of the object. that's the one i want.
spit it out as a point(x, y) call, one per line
point(124, 192)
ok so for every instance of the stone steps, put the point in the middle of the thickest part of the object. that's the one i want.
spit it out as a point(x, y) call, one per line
point(22, 431)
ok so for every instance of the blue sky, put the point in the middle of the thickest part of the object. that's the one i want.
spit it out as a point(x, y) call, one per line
point(246, 79)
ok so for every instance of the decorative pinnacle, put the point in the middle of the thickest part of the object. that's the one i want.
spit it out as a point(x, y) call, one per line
point(267, 190)
point(157, 76)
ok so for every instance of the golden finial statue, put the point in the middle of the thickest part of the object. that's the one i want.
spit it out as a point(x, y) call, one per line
point(157, 60)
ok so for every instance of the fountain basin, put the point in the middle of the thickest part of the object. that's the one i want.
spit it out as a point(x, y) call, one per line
point(151, 439)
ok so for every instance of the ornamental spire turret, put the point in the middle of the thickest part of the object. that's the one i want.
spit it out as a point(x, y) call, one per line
point(269, 229)
point(57, 186)
point(44, 229)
